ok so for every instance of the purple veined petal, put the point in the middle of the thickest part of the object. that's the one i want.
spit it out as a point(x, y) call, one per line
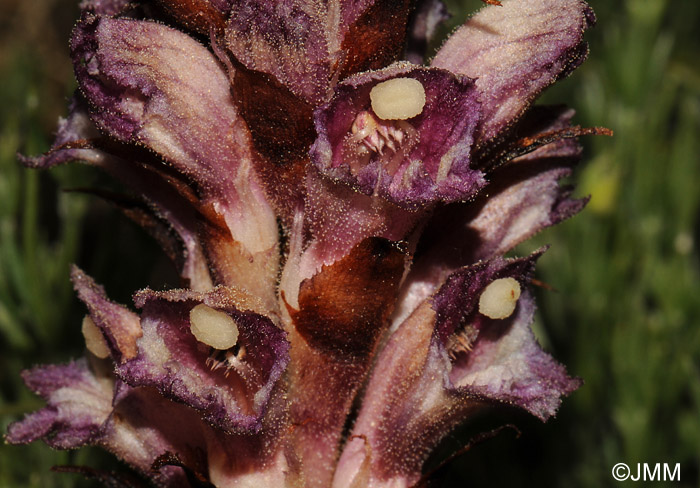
point(508, 365)
point(412, 162)
point(522, 198)
point(497, 359)
point(145, 426)
point(120, 326)
point(307, 45)
point(525, 195)
point(514, 51)
point(78, 139)
point(154, 86)
point(72, 141)
point(195, 236)
point(231, 387)
point(78, 404)
point(286, 39)
point(423, 24)
point(443, 364)
point(298, 51)
point(142, 432)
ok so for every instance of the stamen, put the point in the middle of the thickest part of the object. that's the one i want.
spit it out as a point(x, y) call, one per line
point(376, 135)
point(212, 327)
point(234, 361)
point(499, 298)
point(398, 98)
point(94, 340)
point(462, 341)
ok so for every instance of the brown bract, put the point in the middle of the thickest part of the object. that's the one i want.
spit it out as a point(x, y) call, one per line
point(345, 306)
point(376, 38)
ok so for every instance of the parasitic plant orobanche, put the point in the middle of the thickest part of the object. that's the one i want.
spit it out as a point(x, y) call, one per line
point(338, 209)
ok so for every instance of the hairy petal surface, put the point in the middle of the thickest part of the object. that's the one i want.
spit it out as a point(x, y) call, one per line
point(168, 214)
point(461, 361)
point(285, 39)
point(157, 87)
point(120, 326)
point(522, 198)
point(413, 162)
point(230, 388)
point(141, 432)
point(504, 361)
point(514, 51)
point(340, 220)
point(78, 404)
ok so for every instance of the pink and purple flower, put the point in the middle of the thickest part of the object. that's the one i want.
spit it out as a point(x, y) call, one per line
point(339, 219)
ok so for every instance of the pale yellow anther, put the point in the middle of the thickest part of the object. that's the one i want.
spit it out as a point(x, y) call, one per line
point(499, 298)
point(398, 98)
point(94, 340)
point(212, 327)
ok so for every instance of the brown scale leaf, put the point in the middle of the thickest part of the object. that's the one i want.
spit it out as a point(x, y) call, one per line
point(345, 306)
point(197, 15)
point(376, 38)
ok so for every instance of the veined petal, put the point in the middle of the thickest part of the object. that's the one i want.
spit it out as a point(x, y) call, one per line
point(285, 39)
point(78, 404)
point(170, 216)
point(412, 161)
point(143, 432)
point(497, 359)
point(120, 326)
point(308, 45)
point(446, 361)
point(522, 198)
point(155, 86)
point(514, 51)
point(230, 387)
point(525, 196)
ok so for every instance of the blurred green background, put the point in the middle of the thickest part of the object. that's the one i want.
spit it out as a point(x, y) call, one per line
point(625, 315)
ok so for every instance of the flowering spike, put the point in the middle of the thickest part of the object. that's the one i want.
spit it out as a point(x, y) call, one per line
point(338, 219)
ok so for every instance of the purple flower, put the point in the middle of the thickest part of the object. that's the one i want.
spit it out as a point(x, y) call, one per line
point(338, 218)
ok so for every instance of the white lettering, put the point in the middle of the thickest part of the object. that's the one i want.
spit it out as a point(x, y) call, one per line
point(668, 476)
point(652, 476)
point(638, 475)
